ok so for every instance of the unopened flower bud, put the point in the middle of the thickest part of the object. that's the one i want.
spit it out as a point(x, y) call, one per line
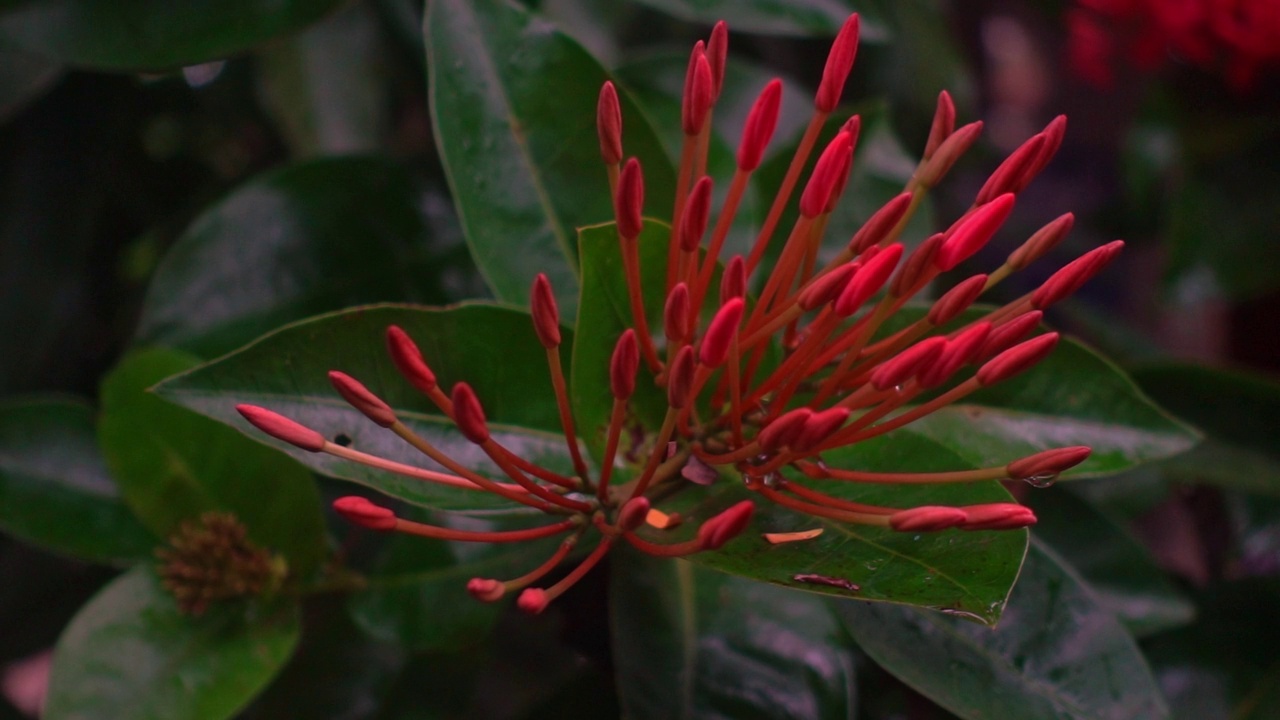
point(1053, 134)
point(733, 284)
point(826, 174)
point(868, 280)
point(720, 333)
point(680, 378)
point(944, 123)
point(880, 224)
point(784, 430)
point(1017, 359)
point(903, 366)
point(1007, 177)
point(950, 151)
point(718, 55)
point(974, 232)
point(623, 365)
point(486, 589)
point(533, 601)
point(724, 527)
point(676, 314)
point(839, 63)
point(609, 124)
point(927, 518)
point(853, 127)
point(693, 223)
point(956, 300)
point(917, 267)
point(1049, 463)
point(1044, 240)
point(359, 397)
point(629, 204)
point(546, 314)
point(468, 414)
point(1074, 274)
point(958, 352)
point(633, 513)
point(282, 428)
point(819, 427)
point(828, 287)
point(997, 516)
point(361, 512)
point(699, 92)
point(408, 360)
point(1006, 335)
point(761, 122)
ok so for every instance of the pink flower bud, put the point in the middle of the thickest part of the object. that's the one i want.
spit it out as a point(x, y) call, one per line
point(1004, 336)
point(783, 431)
point(609, 124)
point(1007, 176)
point(533, 601)
point(733, 284)
point(959, 351)
point(819, 427)
point(997, 516)
point(717, 55)
point(282, 428)
point(839, 63)
point(974, 232)
point(951, 150)
point(825, 175)
point(918, 265)
point(828, 287)
point(359, 397)
point(629, 204)
point(693, 224)
point(944, 123)
point(361, 512)
point(879, 225)
point(868, 280)
point(956, 300)
point(546, 315)
point(1074, 274)
point(927, 518)
point(853, 127)
point(720, 333)
point(486, 590)
point(468, 414)
point(623, 365)
point(901, 367)
point(633, 513)
point(1017, 359)
point(1053, 134)
point(676, 313)
point(680, 378)
point(408, 360)
point(724, 527)
point(1048, 462)
point(699, 92)
point(1044, 240)
point(761, 122)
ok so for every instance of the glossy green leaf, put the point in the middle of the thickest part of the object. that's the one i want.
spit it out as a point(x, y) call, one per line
point(803, 18)
point(130, 654)
point(145, 34)
point(55, 489)
point(309, 238)
point(694, 643)
point(513, 102)
point(491, 347)
point(172, 465)
point(1056, 654)
point(1122, 574)
point(964, 573)
point(417, 591)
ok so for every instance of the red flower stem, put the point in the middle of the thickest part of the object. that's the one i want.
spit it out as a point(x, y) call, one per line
point(688, 547)
point(891, 402)
point(735, 390)
point(551, 563)
point(566, 415)
point(698, 290)
point(820, 498)
point(957, 476)
point(784, 191)
point(631, 265)
point(613, 170)
point(784, 271)
point(583, 568)
point(854, 340)
point(745, 452)
point(688, 149)
point(772, 324)
point(499, 455)
point(919, 411)
point(541, 473)
point(611, 448)
point(658, 453)
point(1017, 307)
point(859, 518)
point(795, 369)
point(440, 533)
point(704, 145)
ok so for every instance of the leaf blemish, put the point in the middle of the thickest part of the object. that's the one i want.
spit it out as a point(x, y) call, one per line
point(813, 579)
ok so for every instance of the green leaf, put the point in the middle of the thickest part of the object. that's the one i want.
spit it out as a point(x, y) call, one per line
point(1056, 654)
point(172, 465)
point(804, 18)
point(692, 643)
point(522, 157)
point(1123, 575)
point(963, 573)
point(23, 78)
point(131, 654)
point(55, 490)
point(145, 34)
point(308, 238)
point(417, 592)
point(494, 348)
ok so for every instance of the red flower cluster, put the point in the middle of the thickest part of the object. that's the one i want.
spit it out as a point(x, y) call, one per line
point(841, 380)
point(1239, 38)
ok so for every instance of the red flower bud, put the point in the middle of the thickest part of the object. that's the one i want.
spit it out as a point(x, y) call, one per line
point(1074, 274)
point(699, 92)
point(853, 127)
point(629, 204)
point(917, 266)
point(1007, 176)
point(533, 601)
point(783, 431)
point(633, 513)
point(951, 150)
point(733, 284)
point(761, 122)
point(973, 232)
point(720, 333)
point(408, 360)
point(944, 123)
point(693, 224)
point(282, 428)
point(1044, 240)
point(958, 351)
point(827, 287)
point(609, 124)
point(1048, 462)
point(717, 55)
point(839, 63)
point(675, 314)
point(360, 511)
point(901, 367)
point(680, 378)
point(546, 315)
point(879, 225)
point(359, 397)
point(819, 427)
point(1017, 359)
point(997, 516)
point(868, 280)
point(956, 300)
point(1004, 336)
point(1053, 134)
point(486, 590)
point(724, 527)
point(927, 518)
point(468, 414)
point(623, 365)
point(825, 175)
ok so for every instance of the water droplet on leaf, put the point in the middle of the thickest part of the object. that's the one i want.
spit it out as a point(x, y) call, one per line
point(1041, 481)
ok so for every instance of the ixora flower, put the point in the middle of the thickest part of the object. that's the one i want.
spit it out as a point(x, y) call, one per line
point(759, 387)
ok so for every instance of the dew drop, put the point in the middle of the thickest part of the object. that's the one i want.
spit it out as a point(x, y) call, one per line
point(1041, 481)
